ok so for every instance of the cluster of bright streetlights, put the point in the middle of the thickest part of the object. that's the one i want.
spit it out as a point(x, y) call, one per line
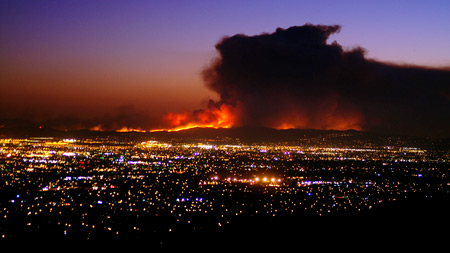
point(257, 179)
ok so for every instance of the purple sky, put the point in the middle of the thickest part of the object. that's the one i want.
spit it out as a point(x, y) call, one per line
point(96, 61)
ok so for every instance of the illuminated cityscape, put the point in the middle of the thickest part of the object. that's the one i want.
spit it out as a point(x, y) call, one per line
point(225, 125)
point(104, 188)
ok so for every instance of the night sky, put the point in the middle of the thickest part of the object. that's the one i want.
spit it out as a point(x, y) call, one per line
point(108, 65)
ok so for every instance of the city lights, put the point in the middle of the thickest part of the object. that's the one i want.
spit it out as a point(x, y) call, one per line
point(87, 185)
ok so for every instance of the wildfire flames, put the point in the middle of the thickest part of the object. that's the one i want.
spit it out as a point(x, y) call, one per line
point(213, 117)
point(226, 116)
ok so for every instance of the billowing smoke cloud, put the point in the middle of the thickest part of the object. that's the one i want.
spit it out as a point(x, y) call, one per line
point(295, 78)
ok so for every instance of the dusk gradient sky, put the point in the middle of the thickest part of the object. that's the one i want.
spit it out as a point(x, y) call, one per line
point(80, 64)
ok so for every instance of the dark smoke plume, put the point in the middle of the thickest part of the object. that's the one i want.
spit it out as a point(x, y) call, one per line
point(294, 78)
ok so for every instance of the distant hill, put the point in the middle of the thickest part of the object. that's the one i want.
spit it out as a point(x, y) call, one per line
point(241, 135)
point(252, 134)
point(347, 138)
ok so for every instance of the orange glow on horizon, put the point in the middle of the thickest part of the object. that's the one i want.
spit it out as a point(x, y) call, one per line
point(337, 124)
point(96, 128)
point(128, 129)
point(121, 130)
point(326, 121)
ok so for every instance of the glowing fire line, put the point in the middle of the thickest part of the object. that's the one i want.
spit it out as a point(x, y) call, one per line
point(186, 127)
